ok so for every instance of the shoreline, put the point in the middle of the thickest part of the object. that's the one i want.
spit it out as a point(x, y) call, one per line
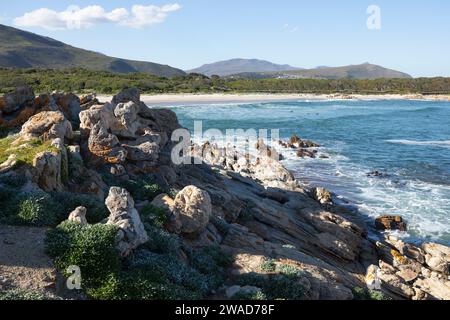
point(218, 98)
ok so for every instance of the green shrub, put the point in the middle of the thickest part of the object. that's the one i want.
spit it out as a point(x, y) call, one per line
point(31, 209)
point(142, 188)
point(289, 270)
point(154, 215)
point(92, 248)
point(66, 202)
point(213, 262)
point(173, 269)
point(160, 241)
point(35, 210)
point(366, 294)
point(21, 295)
point(249, 296)
point(13, 181)
point(277, 286)
point(268, 265)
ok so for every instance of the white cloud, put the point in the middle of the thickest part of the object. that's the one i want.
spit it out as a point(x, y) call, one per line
point(148, 15)
point(82, 18)
point(290, 28)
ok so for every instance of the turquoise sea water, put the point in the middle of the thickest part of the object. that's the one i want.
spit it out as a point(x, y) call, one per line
point(409, 141)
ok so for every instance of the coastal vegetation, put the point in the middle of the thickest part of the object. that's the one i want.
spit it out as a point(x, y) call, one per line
point(103, 82)
point(139, 227)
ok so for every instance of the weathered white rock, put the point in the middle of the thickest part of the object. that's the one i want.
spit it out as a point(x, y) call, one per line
point(194, 208)
point(437, 257)
point(47, 125)
point(123, 214)
point(79, 216)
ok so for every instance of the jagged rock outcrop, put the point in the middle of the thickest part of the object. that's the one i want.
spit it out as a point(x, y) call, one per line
point(123, 214)
point(18, 106)
point(127, 132)
point(249, 205)
point(48, 167)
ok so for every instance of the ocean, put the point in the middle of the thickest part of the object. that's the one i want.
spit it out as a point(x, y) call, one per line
point(407, 141)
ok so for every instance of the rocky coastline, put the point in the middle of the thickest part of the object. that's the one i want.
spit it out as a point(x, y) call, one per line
point(249, 208)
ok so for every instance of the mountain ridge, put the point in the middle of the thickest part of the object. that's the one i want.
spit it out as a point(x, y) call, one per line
point(23, 49)
point(365, 71)
point(239, 65)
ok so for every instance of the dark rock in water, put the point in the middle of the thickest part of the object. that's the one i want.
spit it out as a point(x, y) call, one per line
point(305, 153)
point(377, 174)
point(390, 223)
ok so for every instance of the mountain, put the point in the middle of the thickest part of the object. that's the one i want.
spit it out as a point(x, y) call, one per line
point(361, 71)
point(235, 66)
point(22, 49)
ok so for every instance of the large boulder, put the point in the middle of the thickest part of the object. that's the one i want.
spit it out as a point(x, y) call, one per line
point(123, 214)
point(127, 95)
point(47, 125)
point(194, 208)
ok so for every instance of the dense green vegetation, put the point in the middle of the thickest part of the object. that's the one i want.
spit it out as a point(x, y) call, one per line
point(43, 209)
point(80, 80)
point(20, 295)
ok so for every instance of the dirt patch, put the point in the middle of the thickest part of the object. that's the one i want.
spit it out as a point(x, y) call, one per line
point(23, 262)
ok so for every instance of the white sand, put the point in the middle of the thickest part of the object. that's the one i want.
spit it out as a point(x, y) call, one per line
point(182, 99)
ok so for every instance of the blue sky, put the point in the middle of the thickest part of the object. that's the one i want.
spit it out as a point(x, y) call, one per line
point(414, 35)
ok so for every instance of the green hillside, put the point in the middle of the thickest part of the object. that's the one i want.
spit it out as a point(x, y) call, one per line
point(21, 49)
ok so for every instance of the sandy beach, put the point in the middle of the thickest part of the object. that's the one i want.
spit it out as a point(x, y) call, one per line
point(182, 99)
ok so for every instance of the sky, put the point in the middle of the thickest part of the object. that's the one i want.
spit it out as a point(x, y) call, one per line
point(410, 36)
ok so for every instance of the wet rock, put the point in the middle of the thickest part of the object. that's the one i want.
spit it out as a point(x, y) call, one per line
point(377, 174)
point(390, 223)
point(194, 208)
point(296, 142)
point(305, 153)
point(79, 216)
point(123, 214)
point(267, 151)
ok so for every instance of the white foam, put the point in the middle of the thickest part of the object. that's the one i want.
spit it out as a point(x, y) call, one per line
point(444, 143)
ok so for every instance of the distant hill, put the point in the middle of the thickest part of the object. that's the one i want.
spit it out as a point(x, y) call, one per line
point(361, 71)
point(21, 49)
point(234, 66)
